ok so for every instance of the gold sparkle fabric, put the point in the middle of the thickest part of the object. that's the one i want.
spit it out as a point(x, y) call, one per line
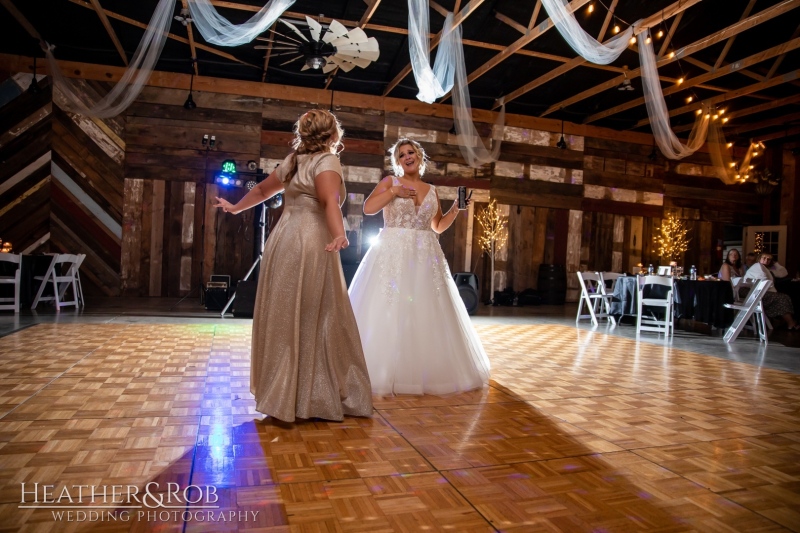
point(307, 360)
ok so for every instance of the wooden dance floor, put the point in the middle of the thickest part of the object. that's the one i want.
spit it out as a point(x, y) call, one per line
point(579, 431)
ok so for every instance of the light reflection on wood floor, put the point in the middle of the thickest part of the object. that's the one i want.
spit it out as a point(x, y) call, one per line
point(579, 431)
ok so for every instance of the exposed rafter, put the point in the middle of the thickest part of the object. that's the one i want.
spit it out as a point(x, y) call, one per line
point(172, 36)
point(668, 40)
point(791, 132)
point(739, 113)
point(778, 60)
point(783, 120)
point(190, 35)
point(735, 29)
point(744, 91)
point(111, 33)
point(457, 20)
point(269, 52)
point(692, 82)
point(729, 42)
point(11, 8)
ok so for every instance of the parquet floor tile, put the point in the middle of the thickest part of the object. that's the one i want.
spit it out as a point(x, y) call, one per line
point(578, 431)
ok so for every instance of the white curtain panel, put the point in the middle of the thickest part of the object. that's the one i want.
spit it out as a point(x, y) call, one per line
point(218, 30)
point(584, 44)
point(667, 141)
point(127, 89)
point(433, 82)
point(725, 167)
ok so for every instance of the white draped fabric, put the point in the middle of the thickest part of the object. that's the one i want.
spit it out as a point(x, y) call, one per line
point(726, 169)
point(448, 73)
point(127, 89)
point(584, 44)
point(218, 30)
point(667, 141)
point(433, 82)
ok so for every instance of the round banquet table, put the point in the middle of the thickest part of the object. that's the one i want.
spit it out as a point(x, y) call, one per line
point(703, 301)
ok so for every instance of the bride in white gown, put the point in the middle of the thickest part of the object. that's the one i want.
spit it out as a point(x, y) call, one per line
point(416, 333)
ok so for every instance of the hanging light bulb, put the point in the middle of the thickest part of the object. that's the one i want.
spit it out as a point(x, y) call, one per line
point(752, 167)
point(721, 111)
point(633, 40)
point(671, 55)
point(698, 111)
point(708, 115)
point(755, 154)
point(689, 99)
point(660, 34)
point(590, 9)
point(648, 40)
point(715, 117)
point(729, 145)
point(680, 80)
point(616, 28)
point(733, 164)
point(724, 120)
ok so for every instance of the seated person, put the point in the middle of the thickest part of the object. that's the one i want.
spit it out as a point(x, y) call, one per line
point(775, 303)
point(731, 266)
point(750, 260)
point(778, 270)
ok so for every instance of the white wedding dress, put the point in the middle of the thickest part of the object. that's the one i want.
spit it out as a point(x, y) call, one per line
point(416, 333)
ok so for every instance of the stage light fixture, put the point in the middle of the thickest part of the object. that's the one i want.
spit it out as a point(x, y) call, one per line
point(189, 103)
point(562, 144)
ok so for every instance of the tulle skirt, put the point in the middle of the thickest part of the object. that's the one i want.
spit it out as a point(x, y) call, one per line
point(416, 334)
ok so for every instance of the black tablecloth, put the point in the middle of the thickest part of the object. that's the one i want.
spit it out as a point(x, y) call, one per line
point(32, 265)
point(792, 288)
point(703, 301)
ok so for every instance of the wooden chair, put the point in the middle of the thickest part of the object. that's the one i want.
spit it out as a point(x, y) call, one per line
point(6, 303)
point(594, 296)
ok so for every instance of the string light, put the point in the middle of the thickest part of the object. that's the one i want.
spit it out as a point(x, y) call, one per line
point(648, 40)
point(722, 112)
point(680, 80)
point(752, 167)
point(755, 154)
point(708, 115)
point(590, 9)
point(671, 55)
point(733, 164)
point(729, 145)
point(715, 117)
point(698, 111)
point(616, 28)
point(633, 40)
point(689, 100)
point(724, 120)
point(660, 34)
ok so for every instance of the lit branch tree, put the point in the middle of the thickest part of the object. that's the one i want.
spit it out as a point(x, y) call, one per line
point(672, 241)
point(494, 237)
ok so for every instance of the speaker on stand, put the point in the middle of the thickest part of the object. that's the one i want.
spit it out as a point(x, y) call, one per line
point(467, 284)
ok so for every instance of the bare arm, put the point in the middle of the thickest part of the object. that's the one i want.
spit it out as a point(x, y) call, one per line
point(327, 185)
point(383, 193)
point(440, 222)
point(725, 272)
point(261, 192)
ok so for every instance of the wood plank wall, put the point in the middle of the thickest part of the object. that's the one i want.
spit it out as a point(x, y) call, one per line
point(596, 205)
point(174, 237)
point(25, 178)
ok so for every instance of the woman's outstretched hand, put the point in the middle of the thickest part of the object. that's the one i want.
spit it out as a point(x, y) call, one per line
point(338, 243)
point(224, 204)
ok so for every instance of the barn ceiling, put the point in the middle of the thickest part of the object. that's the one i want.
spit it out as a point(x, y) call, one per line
point(506, 55)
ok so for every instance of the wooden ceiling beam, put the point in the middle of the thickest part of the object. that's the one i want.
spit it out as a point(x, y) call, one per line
point(693, 82)
point(744, 91)
point(708, 68)
point(457, 20)
point(269, 52)
point(558, 71)
point(729, 42)
point(735, 29)
point(677, 7)
point(778, 60)
point(530, 36)
point(111, 33)
point(172, 36)
point(777, 135)
point(17, 14)
point(783, 120)
point(535, 14)
point(190, 35)
point(510, 22)
point(438, 8)
point(732, 115)
point(670, 33)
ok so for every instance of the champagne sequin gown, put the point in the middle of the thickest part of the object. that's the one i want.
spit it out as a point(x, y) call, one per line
point(307, 360)
point(415, 330)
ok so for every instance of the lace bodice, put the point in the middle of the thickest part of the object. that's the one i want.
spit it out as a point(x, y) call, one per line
point(402, 213)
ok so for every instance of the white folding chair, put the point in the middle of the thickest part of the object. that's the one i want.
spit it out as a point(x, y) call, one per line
point(752, 307)
point(652, 323)
point(13, 279)
point(594, 295)
point(62, 274)
point(612, 277)
point(664, 270)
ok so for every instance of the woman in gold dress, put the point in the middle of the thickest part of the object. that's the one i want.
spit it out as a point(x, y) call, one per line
point(306, 359)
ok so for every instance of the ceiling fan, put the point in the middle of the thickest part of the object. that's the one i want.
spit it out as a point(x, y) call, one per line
point(325, 48)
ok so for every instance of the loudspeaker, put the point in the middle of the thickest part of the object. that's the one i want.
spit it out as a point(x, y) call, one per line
point(245, 299)
point(215, 298)
point(467, 284)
